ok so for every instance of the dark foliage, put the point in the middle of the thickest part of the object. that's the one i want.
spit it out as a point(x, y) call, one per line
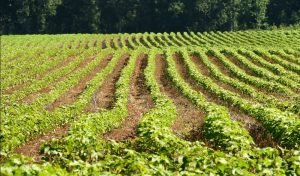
point(113, 16)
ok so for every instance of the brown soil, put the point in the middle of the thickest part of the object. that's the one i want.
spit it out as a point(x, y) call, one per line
point(32, 147)
point(240, 65)
point(200, 42)
point(190, 118)
point(70, 96)
point(159, 41)
point(184, 73)
point(56, 67)
point(103, 98)
point(143, 42)
point(227, 72)
point(174, 41)
point(103, 44)
point(128, 44)
point(192, 42)
point(168, 42)
point(266, 58)
point(134, 40)
point(31, 97)
point(185, 42)
point(78, 44)
point(221, 66)
point(252, 60)
point(86, 45)
point(262, 138)
point(94, 43)
point(112, 44)
point(41, 76)
point(12, 89)
point(286, 58)
point(260, 135)
point(119, 42)
point(151, 42)
point(139, 102)
point(295, 54)
point(205, 71)
point(260, 65)
point(69, 45)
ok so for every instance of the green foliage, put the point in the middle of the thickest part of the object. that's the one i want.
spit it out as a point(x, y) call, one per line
point(113, 16)
point(28, 16)
point(272, 56)
point(283, 12)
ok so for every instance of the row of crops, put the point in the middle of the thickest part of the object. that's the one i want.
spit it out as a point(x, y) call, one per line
point(107, 104)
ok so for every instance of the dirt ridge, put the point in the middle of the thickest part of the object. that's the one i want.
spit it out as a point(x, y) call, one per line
point(104, 98)
point(190, 118)
point(17, 87)
point(29, 98)
point(32, 147)
point(140, 101)
point(260, 135)
point(71, 95)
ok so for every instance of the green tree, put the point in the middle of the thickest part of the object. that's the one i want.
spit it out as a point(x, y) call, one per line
point(285, 12)
point(80, 16)
point(252, 14)
point(211, 15)
point(26, 16)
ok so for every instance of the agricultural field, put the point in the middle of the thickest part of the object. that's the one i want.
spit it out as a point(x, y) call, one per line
point(213, 103)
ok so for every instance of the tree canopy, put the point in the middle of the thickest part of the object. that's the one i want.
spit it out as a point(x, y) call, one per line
point(113, 16)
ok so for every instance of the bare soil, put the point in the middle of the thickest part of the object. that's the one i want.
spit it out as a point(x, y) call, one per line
point(32, 96)
point(56, 67)
point(69, 45)
point(262, 138)
point(17, 87)
point(112, 44)
point(119, 42)
point(140, 102)
point(79, 44)
point(94, 43)
point(32, 147)
point(104, 97)
point(128, 44)
point(240, 65)
point(190, 118)
point(134, 40)
point(103, 44)
point(205, 71)
point(164, 38)
point(260, 65)
point(227, 72)
point(151, 42)
point(12, 89)
point(71, 95)
point(252, 60)
point(143, 42)
point(174, 41)
point(266, 58)
point(86, 45)
point(159, 41)
point(185, 42)
point(192, 42)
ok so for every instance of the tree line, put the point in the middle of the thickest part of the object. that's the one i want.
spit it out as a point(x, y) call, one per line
point(114, 16)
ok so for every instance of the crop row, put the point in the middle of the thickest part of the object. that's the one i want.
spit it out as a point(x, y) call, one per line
point(160, 40)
